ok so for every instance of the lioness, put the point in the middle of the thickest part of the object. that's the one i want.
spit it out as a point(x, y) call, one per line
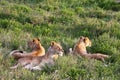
point(80, 48)
point(38, 50)
point(37, 63)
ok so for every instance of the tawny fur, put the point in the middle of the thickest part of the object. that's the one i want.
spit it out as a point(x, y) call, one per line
point(38, 50)
point(37, 63)
point(80, 48)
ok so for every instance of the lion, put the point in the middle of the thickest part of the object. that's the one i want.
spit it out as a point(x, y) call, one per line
point(38, 63)
point(80, 48)
point(38, 50)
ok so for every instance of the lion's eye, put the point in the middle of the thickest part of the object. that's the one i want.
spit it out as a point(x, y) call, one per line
point(61, 49)
point(58, 48)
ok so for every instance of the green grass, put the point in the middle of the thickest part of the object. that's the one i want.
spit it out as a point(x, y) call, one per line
point(63, 21)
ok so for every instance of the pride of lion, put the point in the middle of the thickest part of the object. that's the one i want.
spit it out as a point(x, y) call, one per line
point(37, 62)
point(38, 59)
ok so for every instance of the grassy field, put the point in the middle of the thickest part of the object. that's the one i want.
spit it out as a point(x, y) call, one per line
point(63, 21)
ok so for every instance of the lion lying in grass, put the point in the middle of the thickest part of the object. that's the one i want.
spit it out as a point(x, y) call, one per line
point(37, 63)
point(38, 50)
point(80, 48)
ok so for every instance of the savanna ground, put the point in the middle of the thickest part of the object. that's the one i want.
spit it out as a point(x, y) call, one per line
point(63, 21)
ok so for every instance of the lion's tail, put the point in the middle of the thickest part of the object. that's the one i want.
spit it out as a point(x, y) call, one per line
point(15, 51)
point(16, 54)
point(100, 56)
point(104, 56)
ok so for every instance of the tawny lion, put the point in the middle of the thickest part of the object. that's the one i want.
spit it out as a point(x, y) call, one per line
point(38, 63)
point(38, 50)
point(80, 48)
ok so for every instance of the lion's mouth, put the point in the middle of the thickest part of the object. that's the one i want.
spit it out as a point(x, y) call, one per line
point(60, 53)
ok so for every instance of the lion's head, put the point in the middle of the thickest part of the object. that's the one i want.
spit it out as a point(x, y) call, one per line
point(80, 46)
point(86, 41)
point(55, 48)
point(34, 44)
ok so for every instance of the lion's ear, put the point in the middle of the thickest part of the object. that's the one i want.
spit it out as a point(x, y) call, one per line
point(81, 38)
point(33, 40)
point(38, 39)
point(86, 38)
point(52, 43)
